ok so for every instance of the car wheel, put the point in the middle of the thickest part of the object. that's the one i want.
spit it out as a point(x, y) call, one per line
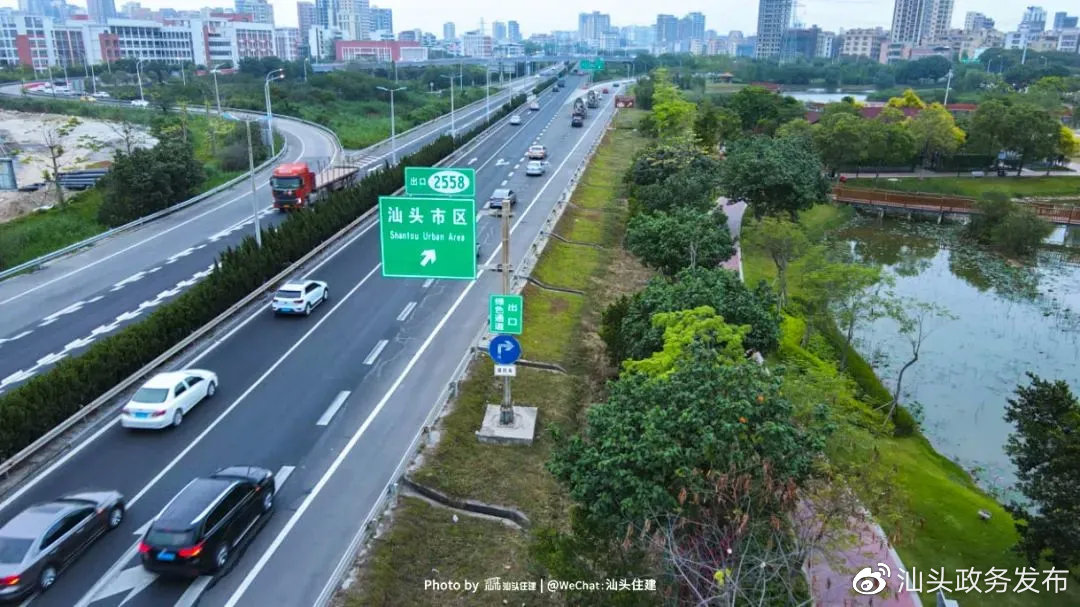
point(178, 416)
point(221, 557)
point(268, 501)
point(47, 577)
point(325, 295)
point(307, 310)
point(116, 516)
point(211, 389)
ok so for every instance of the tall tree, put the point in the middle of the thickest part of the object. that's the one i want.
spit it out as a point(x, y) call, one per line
point(915, 319)
point(838, 139)
point(935, 131)
point(672, 115)
point(783, 241)
point(1045, 448)
point(684, 238)
point(909, 99)
point(55, 134)
point(773, 176)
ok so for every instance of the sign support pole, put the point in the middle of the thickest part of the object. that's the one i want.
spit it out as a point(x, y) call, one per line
point(506, 412)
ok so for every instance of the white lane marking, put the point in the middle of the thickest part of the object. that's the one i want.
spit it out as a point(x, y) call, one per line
point(49, 359)
point(314, 492)
point(88, 597)
point(5, 340)
point(375, 352)
point(131, 580)
point(500, 162)
point(472, 160)
point(126, 316)
point(427, 283)
point(152, 270)
point(103, 329)
point(95, 299)
point(75, 307)
point(511, 174)
point(82, 342)
point(130, 279)
point(516, 166)
point(405, 313)
point(34, 480)
point(282, 475)
point(16, 377)
point(194, 591)
point(184, 253)
point(333, 408)
point(503, 182)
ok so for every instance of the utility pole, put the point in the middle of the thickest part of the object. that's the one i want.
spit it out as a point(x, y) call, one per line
point(393, 135)
point(948, 82)
point(487, 93)
point(254, 202)
point(453, 125)
point(506, 410)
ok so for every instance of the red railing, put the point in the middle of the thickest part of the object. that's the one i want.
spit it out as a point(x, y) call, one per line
point(940, 203)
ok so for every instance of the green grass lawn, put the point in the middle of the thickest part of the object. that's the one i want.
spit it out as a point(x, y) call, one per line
point(557, 330)
point(977, 186)
point(937, 523)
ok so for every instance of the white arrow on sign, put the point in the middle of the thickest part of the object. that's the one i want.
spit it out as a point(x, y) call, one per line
point(427, 257)
point(504, 347)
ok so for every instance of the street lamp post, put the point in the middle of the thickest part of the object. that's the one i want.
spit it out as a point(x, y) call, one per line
point(217, 96)
point(272, 75)
point(453, 124)
point(948, 82)
point(487, 93)
point(393, 131)
point(138, 76)
point(93, 78)
point(254, 201)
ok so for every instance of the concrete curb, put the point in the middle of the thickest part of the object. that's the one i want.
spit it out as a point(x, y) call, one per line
point(504, 512)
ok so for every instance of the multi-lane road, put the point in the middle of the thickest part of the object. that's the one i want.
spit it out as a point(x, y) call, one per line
point(332, 402)
point(62, 308)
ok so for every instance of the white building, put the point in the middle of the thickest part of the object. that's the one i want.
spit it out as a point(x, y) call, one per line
point(476, 44)
point(287, 43)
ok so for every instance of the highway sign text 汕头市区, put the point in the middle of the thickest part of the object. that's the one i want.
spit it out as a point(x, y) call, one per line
point(427, 237)
point(429, 181)
point(506, 314)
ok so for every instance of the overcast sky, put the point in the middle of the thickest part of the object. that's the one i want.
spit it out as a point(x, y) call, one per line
point(721, 15)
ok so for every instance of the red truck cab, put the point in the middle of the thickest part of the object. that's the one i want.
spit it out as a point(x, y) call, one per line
point(292, 185)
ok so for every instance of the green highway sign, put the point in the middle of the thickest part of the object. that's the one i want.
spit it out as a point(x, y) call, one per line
point(506, 314)
point(434, 181)
point(592, 64)
point(427, 237)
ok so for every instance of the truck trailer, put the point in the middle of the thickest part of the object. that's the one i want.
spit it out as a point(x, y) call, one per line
point(593, 101)
point(295, 186)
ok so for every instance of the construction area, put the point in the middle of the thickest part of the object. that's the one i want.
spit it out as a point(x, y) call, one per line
point(86, 144)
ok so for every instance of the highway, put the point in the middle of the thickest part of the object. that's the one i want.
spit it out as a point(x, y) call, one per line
point(388, 346)
point(61, 309)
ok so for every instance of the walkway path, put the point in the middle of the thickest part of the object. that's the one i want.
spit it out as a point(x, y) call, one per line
point(831, 578)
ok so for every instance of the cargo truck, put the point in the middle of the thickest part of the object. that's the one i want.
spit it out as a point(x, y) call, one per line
point(577, 114)
point(295, 186)
point(593, 101)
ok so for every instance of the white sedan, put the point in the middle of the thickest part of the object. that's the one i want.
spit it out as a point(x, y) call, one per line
point(535, 167)
point(163, 401)
point(300, 297)
point(515, 119)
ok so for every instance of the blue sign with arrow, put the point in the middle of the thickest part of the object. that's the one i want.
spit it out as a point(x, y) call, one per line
point(504, 349)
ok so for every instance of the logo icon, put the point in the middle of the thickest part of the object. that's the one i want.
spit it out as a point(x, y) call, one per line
point(867, 581)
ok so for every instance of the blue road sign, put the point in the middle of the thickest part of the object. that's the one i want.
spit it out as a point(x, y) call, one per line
point(504, 349)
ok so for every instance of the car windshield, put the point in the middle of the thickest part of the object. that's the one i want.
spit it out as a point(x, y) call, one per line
point(284, 183)
point(151, 395)
point(13, 549)
point(165, 537)
point(501, 193)
point(289, 294)
point(535, 164)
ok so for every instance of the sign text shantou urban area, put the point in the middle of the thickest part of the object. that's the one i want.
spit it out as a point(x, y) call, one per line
point(432, 181)
point(428, 237)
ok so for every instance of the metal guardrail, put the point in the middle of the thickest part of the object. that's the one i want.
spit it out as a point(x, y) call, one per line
point(450, 391)
point(10, 463)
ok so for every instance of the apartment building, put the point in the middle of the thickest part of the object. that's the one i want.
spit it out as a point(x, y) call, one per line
point(287, 43)
point(864, 42)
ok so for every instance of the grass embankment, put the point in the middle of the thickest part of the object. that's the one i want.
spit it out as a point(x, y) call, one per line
point(976, 187)
point(39, 233)
point(934, 523)
point(423, 542)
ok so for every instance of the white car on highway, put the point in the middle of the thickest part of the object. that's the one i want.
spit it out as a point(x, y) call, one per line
point(300, 297)
point(535, 167)
point(515, 119)
point(163, 401)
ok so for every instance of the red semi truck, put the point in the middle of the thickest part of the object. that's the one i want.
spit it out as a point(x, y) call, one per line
point(295, 186)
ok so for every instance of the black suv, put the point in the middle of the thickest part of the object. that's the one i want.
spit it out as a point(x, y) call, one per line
point(200, 528)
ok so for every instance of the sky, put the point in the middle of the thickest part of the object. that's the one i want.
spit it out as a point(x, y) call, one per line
point(721, 15)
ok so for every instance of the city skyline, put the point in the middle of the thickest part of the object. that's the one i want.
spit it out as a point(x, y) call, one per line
point(720, 15)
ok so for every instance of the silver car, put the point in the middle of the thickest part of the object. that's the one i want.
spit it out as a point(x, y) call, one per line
point(44, 539)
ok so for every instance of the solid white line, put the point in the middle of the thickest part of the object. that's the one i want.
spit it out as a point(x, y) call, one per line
point(30, 483)
point(280, 538)
point(333, 408)
point(375, 352)
point(405, 313)
point(427, 283)
point(194, 591)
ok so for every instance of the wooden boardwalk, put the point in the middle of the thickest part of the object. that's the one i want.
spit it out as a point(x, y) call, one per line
point(943, 205)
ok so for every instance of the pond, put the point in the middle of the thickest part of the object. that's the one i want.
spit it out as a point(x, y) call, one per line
point(1008, 319)
point(820, 96)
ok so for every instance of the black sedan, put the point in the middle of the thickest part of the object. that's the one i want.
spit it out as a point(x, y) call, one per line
point(44, 539)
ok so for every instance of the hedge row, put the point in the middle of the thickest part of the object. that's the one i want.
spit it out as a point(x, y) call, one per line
point(43, 402)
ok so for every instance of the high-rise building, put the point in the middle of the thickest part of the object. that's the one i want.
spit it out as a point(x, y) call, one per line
point(513, 31)
point(498, 31)
point(1033, 21)
point(325, 13)
point(100, 10)
point(667, 30)
point(692, 27)
point(1062, 21)
point(448, 32)
point(261, 11)
point(917, 22)
point(352, 18)
point(938, 20)
point(305, 17)
point(592, 27)
point(287, 43)
point(476, 44)
point(773, 19)
point(974, 21)
point(863, 42)
point(382, 19)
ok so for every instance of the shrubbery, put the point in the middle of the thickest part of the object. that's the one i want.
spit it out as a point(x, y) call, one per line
point(46, 400)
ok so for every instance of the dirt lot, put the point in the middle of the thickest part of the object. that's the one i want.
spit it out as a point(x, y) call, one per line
point(88, 145)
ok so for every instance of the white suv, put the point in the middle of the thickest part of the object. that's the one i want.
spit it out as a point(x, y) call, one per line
point(300, 297)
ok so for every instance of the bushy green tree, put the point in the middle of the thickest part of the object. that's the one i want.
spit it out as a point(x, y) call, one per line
point(773, 176)
point(783, 241)
point(683, 238)
point(1007, 225)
